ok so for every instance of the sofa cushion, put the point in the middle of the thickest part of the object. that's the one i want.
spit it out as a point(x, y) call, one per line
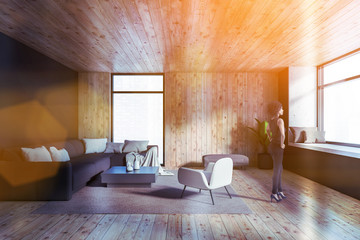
point(309, 137)
point(102, 163)
point(40, 154)
point(135, 146)
point(299, 133)
point(94, 145)
point(90, 158)
point(60, 155)
point(320, 137)
point(314, 136)
point(74, 147)
point(112, 147)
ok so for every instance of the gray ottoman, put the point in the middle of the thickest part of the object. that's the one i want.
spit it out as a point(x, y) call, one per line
point(239, 160)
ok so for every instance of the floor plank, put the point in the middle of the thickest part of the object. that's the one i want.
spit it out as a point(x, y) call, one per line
point(188, 227)
point(58, 227)
point(101, 228)
point(43, 228)
point(159, 228)
point(71, 229)
point(145, 227)
point(203, 227)
point(17, 209)
point(84, 231)
point(218, 227)
point(18, 225)
point(131, 226)
point(246, 227)
point(117, 227)
point(310, 211)
point(232, 228)
point(174, 227)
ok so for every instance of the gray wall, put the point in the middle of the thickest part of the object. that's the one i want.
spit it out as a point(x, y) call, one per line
point(38, 97)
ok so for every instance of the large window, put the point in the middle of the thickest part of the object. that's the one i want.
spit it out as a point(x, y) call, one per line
point(338, 91)
point(137, 109)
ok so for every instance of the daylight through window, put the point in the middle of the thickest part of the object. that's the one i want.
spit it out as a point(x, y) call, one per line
point(339, 88)
point(137, 109)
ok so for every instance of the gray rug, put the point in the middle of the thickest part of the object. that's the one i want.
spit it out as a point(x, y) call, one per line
point(162, 198)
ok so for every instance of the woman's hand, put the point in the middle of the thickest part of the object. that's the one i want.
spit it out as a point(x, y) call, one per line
point(282, 146)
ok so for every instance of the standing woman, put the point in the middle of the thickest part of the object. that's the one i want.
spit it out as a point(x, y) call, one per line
point(276, 148)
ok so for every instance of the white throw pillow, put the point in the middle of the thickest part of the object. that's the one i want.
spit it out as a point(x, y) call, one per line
point(135, 146)
point(59, 155)
point(95, 145)
point(40, 154)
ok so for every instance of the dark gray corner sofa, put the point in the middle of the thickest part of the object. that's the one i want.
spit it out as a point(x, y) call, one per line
point(23, 180)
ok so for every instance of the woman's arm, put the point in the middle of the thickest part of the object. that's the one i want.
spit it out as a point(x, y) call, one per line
point(268, 132)
point(281, 126)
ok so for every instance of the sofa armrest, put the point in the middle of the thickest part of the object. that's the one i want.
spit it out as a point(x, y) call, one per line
point(35, 180)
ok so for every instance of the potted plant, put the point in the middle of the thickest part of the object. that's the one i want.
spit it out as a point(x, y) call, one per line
point(264, 158)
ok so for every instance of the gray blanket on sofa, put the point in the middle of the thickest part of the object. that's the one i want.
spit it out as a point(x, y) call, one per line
point(150, 159)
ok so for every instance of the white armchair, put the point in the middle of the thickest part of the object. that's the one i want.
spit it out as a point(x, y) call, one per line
point(215, 175)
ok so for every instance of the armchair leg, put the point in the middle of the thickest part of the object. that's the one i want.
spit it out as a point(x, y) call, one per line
point(183, 191)
point(212, 199)
point(227, 192)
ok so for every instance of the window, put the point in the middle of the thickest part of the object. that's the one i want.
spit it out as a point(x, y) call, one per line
point(338, 94)
point(137, 109)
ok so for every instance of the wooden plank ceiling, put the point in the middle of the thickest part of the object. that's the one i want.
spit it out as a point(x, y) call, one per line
point(184, 35)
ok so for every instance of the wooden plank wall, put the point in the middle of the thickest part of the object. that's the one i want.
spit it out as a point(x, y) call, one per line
point(208, 113)
point(204, 112)
point(94, 105)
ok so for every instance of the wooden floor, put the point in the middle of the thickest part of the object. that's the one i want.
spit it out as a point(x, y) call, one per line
point(311, 211)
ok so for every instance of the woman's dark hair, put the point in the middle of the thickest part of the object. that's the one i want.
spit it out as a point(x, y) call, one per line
point(274, 107)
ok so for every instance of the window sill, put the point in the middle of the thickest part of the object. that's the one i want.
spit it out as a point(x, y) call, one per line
point(347, 151)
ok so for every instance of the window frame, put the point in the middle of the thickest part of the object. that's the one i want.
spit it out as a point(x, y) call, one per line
point(320, 92)
point(138, 92)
